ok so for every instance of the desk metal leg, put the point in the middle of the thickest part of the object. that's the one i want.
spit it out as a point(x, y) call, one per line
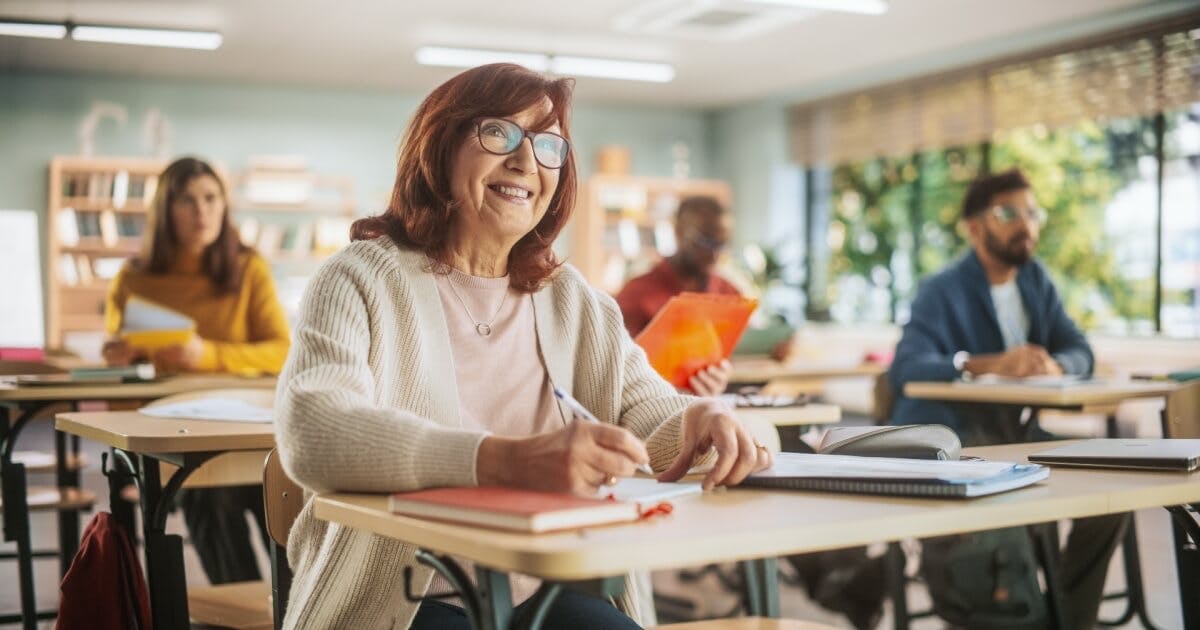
point(494, 595)
point(164, 553)
point(16, 511)
point(762, 586)
point(68, 520)
point(1186, 529)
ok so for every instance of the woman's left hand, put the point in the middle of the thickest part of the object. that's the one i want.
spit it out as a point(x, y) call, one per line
point(712, 380)
point(709, 423)
point(180, 358)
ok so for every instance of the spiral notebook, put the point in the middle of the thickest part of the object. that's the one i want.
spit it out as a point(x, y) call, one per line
point(894, 476)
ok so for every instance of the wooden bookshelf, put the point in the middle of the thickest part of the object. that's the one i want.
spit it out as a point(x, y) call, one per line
point(96, 211)
point(620, 220)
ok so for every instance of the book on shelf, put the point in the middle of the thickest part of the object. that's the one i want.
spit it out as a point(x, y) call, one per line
point(67, 272)
point(331, 234)
point(893, 476)
point(108, 228)
point(120, 189)
point(270, 238)
point(302, 240)
point(68, 227)
point(107, 267)
point(248, 231)
point(83, 269)
point(87, 224)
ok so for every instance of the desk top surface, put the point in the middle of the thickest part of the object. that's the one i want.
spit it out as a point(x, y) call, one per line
point(138, 433)
point(736, 523)
point(759, 369)
point(130, 391)
point(1071, 395)
point(811, 413)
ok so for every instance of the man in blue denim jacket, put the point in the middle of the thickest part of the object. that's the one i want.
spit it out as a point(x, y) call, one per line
point(996, 311)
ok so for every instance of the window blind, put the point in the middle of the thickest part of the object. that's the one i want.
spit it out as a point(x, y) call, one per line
point(1133, 73)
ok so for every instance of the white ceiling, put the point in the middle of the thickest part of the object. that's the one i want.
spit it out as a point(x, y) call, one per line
point(370, 43)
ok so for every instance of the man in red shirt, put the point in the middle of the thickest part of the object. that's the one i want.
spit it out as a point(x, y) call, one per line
point(702, 231)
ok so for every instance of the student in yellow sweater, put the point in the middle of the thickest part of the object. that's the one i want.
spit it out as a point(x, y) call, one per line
point(193, 261)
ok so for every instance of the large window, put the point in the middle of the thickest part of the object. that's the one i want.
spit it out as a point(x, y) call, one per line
point(1180, 276)
point(1109, 135)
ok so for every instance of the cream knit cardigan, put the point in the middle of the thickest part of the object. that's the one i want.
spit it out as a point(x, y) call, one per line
point(367, 402)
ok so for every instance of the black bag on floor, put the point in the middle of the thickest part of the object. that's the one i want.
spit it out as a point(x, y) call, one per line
point(986, 580)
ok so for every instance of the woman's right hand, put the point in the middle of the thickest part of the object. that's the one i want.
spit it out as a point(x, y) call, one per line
point(578, 458)
point(118, 352)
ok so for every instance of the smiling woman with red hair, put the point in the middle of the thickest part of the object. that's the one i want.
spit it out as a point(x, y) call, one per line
point(427, 352)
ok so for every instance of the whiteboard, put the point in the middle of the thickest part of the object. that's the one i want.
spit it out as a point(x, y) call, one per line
point(21, 322)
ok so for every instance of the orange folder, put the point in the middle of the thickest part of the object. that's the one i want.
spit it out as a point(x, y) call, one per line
point(693, 331)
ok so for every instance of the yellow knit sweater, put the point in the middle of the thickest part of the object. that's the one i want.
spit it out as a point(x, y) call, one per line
point(242, 333)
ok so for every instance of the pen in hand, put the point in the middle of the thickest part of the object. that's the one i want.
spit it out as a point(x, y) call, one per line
point(581, 412)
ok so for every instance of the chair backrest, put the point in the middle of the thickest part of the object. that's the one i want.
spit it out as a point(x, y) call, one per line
point(282, 499)
point(1181, 416)
point(884, 399)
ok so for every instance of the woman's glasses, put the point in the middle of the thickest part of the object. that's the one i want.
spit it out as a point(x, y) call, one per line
point(1008, 214)
point(501, 137)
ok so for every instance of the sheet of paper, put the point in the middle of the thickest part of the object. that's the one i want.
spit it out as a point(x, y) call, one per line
point(649, 491)
point(1045, 380)
point(224, 409)
point(141, 314)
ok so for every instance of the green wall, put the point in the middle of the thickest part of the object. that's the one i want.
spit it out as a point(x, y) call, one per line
point(339, 131)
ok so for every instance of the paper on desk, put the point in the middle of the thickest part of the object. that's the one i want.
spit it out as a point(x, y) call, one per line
point(223, 409)
point(1045, 380)
point(648, 492)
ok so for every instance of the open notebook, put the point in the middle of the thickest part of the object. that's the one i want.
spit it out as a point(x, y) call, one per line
point(886, 475)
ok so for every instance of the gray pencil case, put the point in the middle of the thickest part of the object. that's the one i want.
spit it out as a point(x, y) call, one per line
point(911, 441)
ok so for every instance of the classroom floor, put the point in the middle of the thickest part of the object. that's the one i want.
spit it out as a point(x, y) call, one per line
point(707, 596)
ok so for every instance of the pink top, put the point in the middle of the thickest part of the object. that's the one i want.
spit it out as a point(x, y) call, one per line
point(503, 385)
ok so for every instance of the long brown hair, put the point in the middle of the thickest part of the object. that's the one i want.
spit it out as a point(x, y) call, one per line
point(221, 260)
point(421, 209)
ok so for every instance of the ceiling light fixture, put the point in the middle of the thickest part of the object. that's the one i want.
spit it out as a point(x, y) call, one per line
point(612, 69)
point(869, 7)
point(110, 34)
point(563, 65)
point(41, 30)
point(471, 57)
point(136, 36)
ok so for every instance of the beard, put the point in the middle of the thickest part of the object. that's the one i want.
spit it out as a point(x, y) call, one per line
point(1012, 252)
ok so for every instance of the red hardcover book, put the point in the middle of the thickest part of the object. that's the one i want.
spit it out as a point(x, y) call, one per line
point(512, 509)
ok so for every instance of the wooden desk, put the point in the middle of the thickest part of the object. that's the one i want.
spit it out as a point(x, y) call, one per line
point(10, 392)
point(1077, 396)
point(713, 527)
point(812, 413)
point(141, 443)
point(24, 402)
point(758, 370)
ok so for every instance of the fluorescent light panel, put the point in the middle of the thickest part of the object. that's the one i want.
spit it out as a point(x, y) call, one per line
point(33, 29)
point(612, 69)
point(565, 64)
point(169, 38)
point(869, 7)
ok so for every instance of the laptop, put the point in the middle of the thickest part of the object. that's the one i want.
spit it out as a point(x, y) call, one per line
point(1156, 454)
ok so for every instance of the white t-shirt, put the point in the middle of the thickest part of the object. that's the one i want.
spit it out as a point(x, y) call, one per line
point(1010, 312)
